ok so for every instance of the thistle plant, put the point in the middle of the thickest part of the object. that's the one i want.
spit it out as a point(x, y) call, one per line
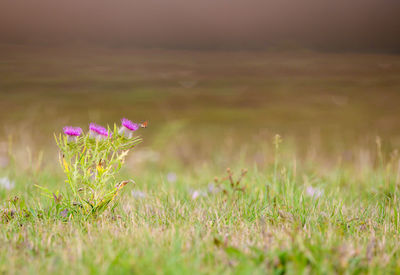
point(91, 162)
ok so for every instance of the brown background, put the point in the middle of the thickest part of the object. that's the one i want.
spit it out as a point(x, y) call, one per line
point(340, 25)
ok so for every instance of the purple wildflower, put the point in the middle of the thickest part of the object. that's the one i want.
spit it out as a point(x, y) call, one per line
point(127, 128)
point(72, 131)
point(98, 130)
point(129, 124)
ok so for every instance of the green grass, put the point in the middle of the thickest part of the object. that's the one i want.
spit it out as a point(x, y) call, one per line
point(275, 225)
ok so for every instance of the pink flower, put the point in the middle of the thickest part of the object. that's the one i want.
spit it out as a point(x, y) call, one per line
point(197, 194)
point(129, 124)
point(314, 192)
point(98, 131)
point(127, 128)
point(72, 131)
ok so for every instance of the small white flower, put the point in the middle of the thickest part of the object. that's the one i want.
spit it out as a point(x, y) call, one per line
point(6, 183)
point(138, 194)
point(314, 192)
point(171, 177)
point(197, 193)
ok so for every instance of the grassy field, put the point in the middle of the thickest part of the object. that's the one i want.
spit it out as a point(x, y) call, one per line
point(323, 200)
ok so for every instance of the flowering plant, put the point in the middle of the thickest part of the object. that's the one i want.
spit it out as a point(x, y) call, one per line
point(91, 161)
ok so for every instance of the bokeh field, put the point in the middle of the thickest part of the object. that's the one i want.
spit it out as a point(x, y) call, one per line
point(321, 199)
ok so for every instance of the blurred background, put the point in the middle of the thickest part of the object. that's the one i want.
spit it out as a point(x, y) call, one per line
point(215, 79)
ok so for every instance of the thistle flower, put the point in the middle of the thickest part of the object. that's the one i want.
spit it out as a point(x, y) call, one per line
point(97, 131)
point(129, 124)
point(72, 132)
point(127, 128)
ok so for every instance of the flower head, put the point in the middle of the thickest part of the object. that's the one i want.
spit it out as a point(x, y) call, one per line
point(314, 192)
point(72, 131)
point(98, 130)
point(129, 124)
